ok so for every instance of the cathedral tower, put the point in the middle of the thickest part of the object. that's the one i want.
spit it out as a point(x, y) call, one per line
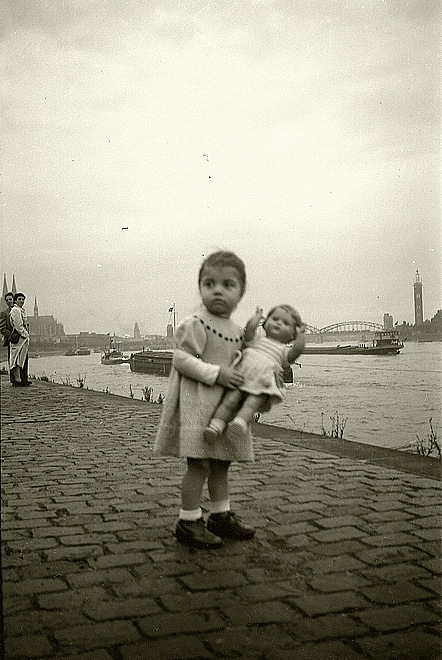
point(35, 307)
point(418, 301)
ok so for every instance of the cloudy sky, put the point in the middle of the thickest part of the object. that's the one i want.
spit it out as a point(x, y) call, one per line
point(139, 136)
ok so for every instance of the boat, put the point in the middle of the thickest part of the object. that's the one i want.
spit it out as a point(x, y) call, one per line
point(79, 351)
point(158, 363)
point(113, 355)
point(385, 342)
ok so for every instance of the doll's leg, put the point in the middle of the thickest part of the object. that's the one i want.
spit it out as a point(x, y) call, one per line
point(251, 405)
point(223, 414)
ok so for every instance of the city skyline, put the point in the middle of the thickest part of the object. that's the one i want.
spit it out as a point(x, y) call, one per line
point(139, 137)
point(141, 325)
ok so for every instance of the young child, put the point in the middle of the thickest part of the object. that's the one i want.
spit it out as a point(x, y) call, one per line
point(263, 359)
point(206, 343)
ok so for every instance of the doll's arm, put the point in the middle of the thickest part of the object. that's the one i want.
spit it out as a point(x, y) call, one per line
point(297, 347)
point(252, 325)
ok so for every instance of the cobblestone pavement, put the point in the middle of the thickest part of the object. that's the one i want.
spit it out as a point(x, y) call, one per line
point(345, 564)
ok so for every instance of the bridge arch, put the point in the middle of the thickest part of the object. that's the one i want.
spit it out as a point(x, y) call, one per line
point(352, 326)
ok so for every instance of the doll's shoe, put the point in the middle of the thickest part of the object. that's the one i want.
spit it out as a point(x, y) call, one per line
point(236, 431)
point(211, 435)
point(227, 525)
point(195, 534)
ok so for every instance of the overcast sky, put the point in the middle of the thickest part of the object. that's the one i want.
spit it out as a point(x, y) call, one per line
point(138, 136)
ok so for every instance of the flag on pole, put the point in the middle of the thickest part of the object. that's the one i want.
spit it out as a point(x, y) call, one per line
point(170, 309)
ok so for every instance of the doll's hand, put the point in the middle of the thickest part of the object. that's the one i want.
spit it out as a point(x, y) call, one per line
point(229, 377)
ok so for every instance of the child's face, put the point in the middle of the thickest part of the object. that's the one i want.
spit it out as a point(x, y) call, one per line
point(280, 326)
point(220, 290)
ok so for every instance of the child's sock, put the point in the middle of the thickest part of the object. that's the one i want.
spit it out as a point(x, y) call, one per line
point(194, 514)
point(220, 507)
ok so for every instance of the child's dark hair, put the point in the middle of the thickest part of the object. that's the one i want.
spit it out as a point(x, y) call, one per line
point(222, 259)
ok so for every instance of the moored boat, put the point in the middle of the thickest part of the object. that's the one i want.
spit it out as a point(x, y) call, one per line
point(148, 361)
point(385, 342)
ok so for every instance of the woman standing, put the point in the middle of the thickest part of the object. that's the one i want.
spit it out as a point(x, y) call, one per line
point(18, 359)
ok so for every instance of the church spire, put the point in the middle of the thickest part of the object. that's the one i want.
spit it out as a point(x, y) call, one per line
point(14, 287)
point(35, 307)
point(3, 305)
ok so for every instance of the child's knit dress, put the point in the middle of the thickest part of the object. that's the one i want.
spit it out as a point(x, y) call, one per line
point(203, 343)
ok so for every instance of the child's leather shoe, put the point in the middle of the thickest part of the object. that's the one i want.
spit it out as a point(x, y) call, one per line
point(195, 534)
point(227, 525)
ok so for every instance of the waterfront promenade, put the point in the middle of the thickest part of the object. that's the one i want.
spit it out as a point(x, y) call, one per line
point(345, 564)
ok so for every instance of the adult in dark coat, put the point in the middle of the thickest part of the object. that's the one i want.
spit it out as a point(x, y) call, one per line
point(5, 323)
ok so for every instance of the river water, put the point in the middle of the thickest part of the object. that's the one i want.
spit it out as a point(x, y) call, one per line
point(385, 400)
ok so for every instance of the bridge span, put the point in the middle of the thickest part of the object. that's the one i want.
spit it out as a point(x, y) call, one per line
point(346, 326)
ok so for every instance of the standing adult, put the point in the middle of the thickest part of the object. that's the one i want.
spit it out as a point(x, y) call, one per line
point(5, 323)
point(18, 357)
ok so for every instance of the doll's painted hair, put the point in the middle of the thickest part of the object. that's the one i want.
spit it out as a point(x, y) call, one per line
point(222, 259)
point(297, 322)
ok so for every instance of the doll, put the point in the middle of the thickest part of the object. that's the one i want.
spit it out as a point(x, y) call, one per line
point(265, 356)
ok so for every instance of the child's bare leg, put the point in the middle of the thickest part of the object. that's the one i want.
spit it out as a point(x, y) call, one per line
point(251, 405)
point(223, 414)
point(193, 483)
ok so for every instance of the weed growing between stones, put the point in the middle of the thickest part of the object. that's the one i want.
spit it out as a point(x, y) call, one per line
point(430, 444)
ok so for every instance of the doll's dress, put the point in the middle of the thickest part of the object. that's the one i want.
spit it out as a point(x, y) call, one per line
point(261, 358)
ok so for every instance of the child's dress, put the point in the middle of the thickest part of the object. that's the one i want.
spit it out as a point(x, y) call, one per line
point(261, 359)
point(203, 343)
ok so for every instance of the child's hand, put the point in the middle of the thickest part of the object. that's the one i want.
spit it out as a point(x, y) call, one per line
point(229, 377)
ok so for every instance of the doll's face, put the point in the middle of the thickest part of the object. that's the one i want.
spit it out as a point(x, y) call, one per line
point(280, 325)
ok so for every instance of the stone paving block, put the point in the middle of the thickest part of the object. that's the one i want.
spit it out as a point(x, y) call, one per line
point(395, 618)
point(391, 539)
point(258, 613)
point(395, 572)
point(333, 582)
point(111, 561)
point(88, 578)
point(328, 627)
point(87, 539)
point(434, 584)
point(342, 563)
point(73, 553)
point(430, 534)
point(338, 534)
point(182, 647)
point(332, 650)
point(339, 521)
point(36, 621)
point(27, 587)
point(28, 646)
point(338, 548)
point(15, 604)
point(128, 607)
point(263, 592)
point(242, 642)
point(127, 546)
point(165, 624)
point(213, 580)
point(96, 635)
point(313, 604)
point(399, 592)
point(391, 555)
point(408, 645)
point(30, 545)
point(72, 599)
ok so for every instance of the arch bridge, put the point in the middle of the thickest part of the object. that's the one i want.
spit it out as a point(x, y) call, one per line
point(346, 326)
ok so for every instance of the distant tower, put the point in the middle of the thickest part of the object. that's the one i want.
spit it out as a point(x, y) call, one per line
point(137, 333)
point(388, 322)
point(35, 307)
point(418, 301)
point(14, 288)
point(169, 331)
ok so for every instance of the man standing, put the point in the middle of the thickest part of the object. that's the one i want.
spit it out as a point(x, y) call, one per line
point(5, 324)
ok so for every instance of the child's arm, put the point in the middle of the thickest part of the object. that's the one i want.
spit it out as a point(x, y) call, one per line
point(190, 343)
point(252, 325)
point(297, 347)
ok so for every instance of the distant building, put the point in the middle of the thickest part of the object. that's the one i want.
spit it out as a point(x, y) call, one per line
point(137, 333)
point(418, 300)
point(44, 327)
point(388, 322)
